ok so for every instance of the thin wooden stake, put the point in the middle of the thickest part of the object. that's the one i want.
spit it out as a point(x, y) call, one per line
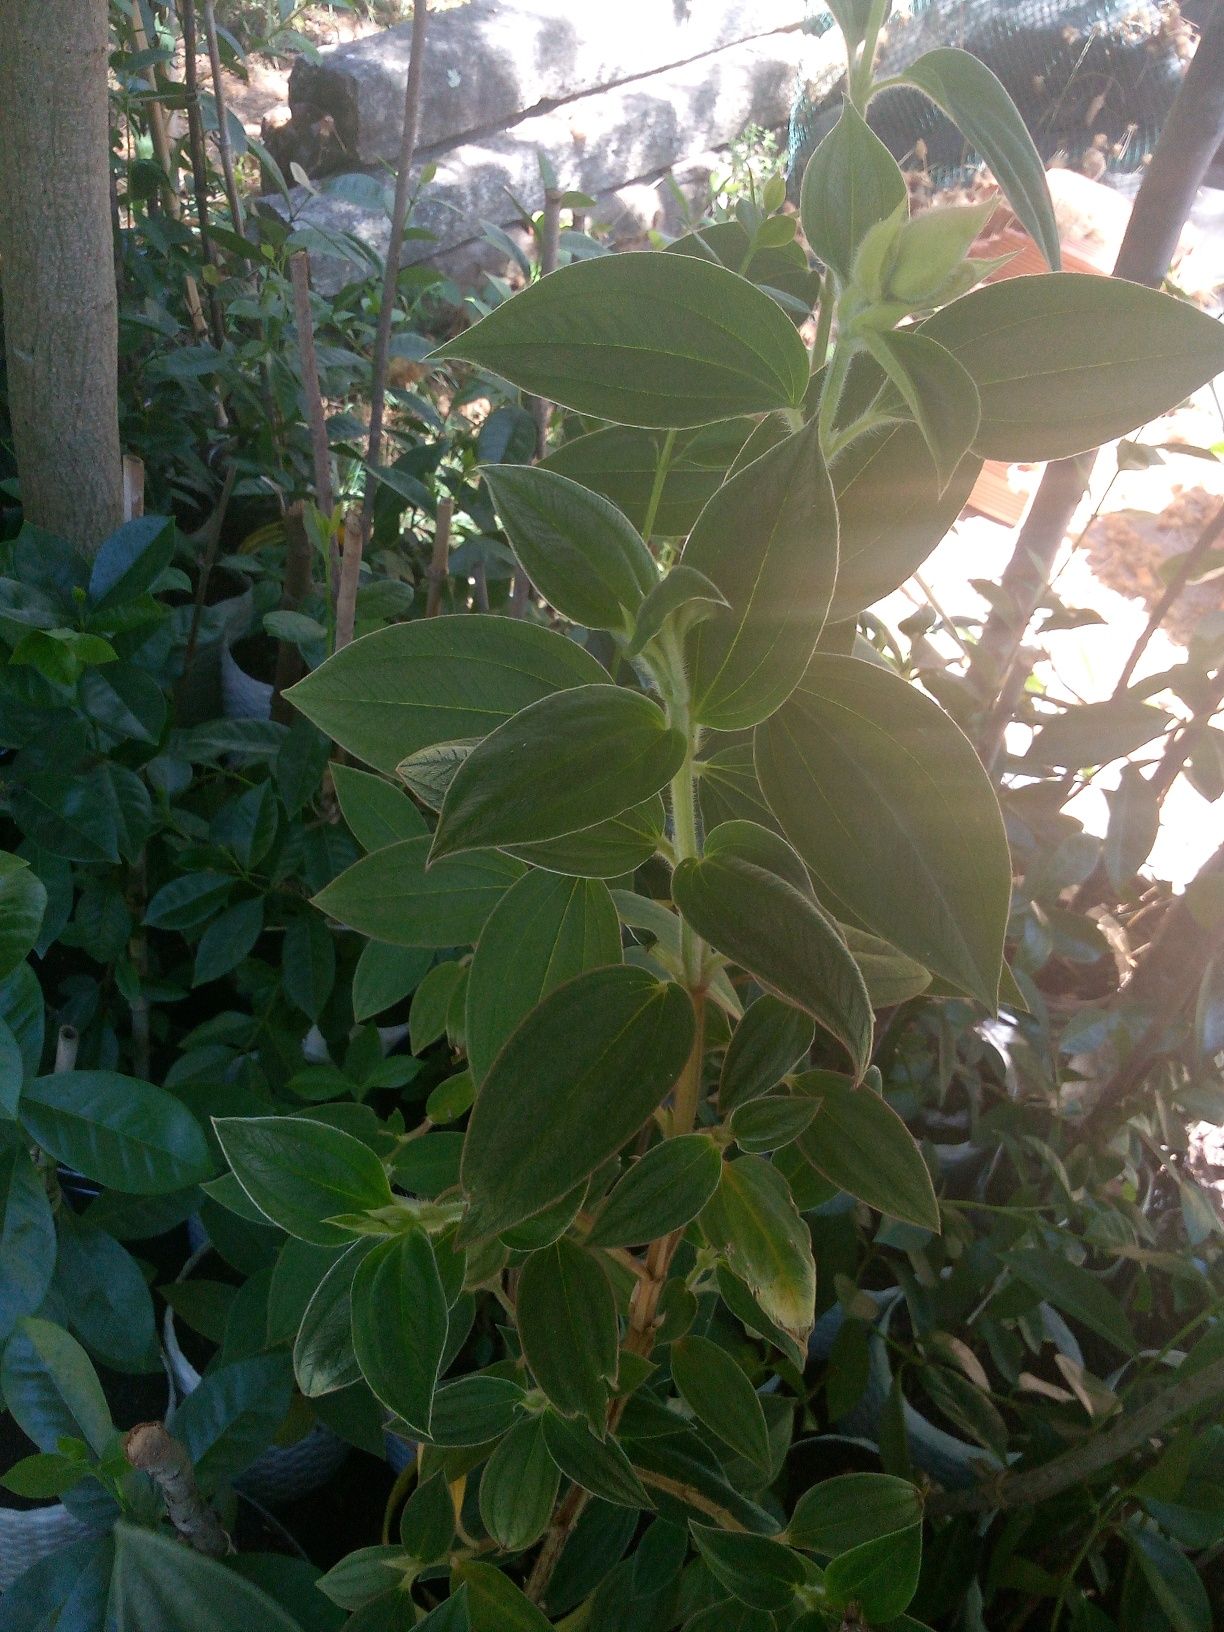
point(399, 216)
point(223, 139)
point(133, 487)
point(299, 272)
point(440, 559)
point(350, 572)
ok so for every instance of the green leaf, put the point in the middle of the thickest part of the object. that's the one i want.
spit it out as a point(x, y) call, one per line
point(106, 1296)
point(391, 897)
point(159, 1583)
point(578, 549)
point(885, 800)
point(937, 390)
point(600, 1466)
point(323, 1356)
point(300, 1173)
point(860, 1144)
point(378, 814)
point(51, 1390)
point(976, 101)
point(308, 964)
point(1134, 821)
point(385, 975)
point(27, 1239)
point(851, 182)
point(621, 463)
point(663, 1191)
point(607, 850)
point(574, 1082)
point(649, 340)
point(44, 1476)
point(368, 1573)
point(566, 1316)
point(23, 902)
point(116, 1130)
point(475, 1410)
point(853, 1508)
point(753, 1222)
point(719, 1395)
point(495, 1604)
point(1064, 363)
point(564, 763)
point(519, 1487)
point(737, 897)
point(130, 561)
point(770, 1040)
point(436, 680)
point(880, 1576)
point(768, 540)
point(545, 929)
point(431, 1002)
point(770, 1123)
point(125, 702)
point(427, 1524)
point(683, 598)
point(232, 1415)
point(400, 1322)
point(890, 976)
point(1094, 733)
point(228, 939)
point(1172, 1580)
point(189, 901)
point(756, 1569)
point(1075, 1291)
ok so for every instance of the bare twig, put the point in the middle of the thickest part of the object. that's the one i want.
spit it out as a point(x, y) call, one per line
point(1091, 1456)
point(150, 1449)
point(223, 138)
point(399, 216)
point(199, 163)
point(1192, 558)
point(297, 587)
point(440, 558)
point(299, 272)
point(350, 572)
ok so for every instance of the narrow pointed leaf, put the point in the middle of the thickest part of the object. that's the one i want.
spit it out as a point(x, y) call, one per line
point(377, 813)
point(770, 1040)
point(649, 340)
point(885, 800)
point(851, 182)
point(768, 540)
point(860, 1144)
point(578, 549)
point(758, 917)
point(519, 1487)
point(753, 1221)
point(573, 1083)
point(299, 1173)
point(663, 1191)
point(937, 390)
point(719, 1395)
point(546, 929)
point(400, 1321)
point(598, 1465)
point(566, 1318)
point(977, 103)
point(390, 896)
point(756, 1569)
point(560, 765)
point(435, 680)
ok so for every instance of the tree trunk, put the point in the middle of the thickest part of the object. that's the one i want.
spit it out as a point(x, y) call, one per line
point(56, 260)
point(1162, 206)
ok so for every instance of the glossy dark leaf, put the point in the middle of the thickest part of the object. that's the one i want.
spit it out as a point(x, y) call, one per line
point(600, 1466)
point(300, 1172)
point(850, 1509)
point(720, 1396)
point(116, 1130)
point(400, 1322)
point(377, 812)
point(566, 1318)
point(519, 1487)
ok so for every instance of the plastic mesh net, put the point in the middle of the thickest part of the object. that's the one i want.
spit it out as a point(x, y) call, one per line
point(1093, 74)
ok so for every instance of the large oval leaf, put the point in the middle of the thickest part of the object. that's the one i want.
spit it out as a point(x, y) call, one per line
point(651, 340)
point(621, 463)
point(299, 1173)
point(753, 1221)
point(736, 898)
point(610, 849)
point(400, 1322)
point(977, 102)
point(575, 1081)
point(27, 1239)
point(568, 1329)
point(562, 764)
point(768, 540)
point(663, 1191)
point(578, 549)
point(1064, 363)
point(126, 1134)
point(885, 800)
point(770, 1040)
point(23, 901)
point(545, 930)
point(851, 182)
point(860, 1144)
point(715, 1389)
point(435, 680)
point(390, 896)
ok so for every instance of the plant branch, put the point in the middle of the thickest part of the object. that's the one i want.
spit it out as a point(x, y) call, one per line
point(350, 574)
point(399, 217)
point(224, 147)
point(1092, 1456)
point(1186, 565)
point(150, 1449)
point(440, 557)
